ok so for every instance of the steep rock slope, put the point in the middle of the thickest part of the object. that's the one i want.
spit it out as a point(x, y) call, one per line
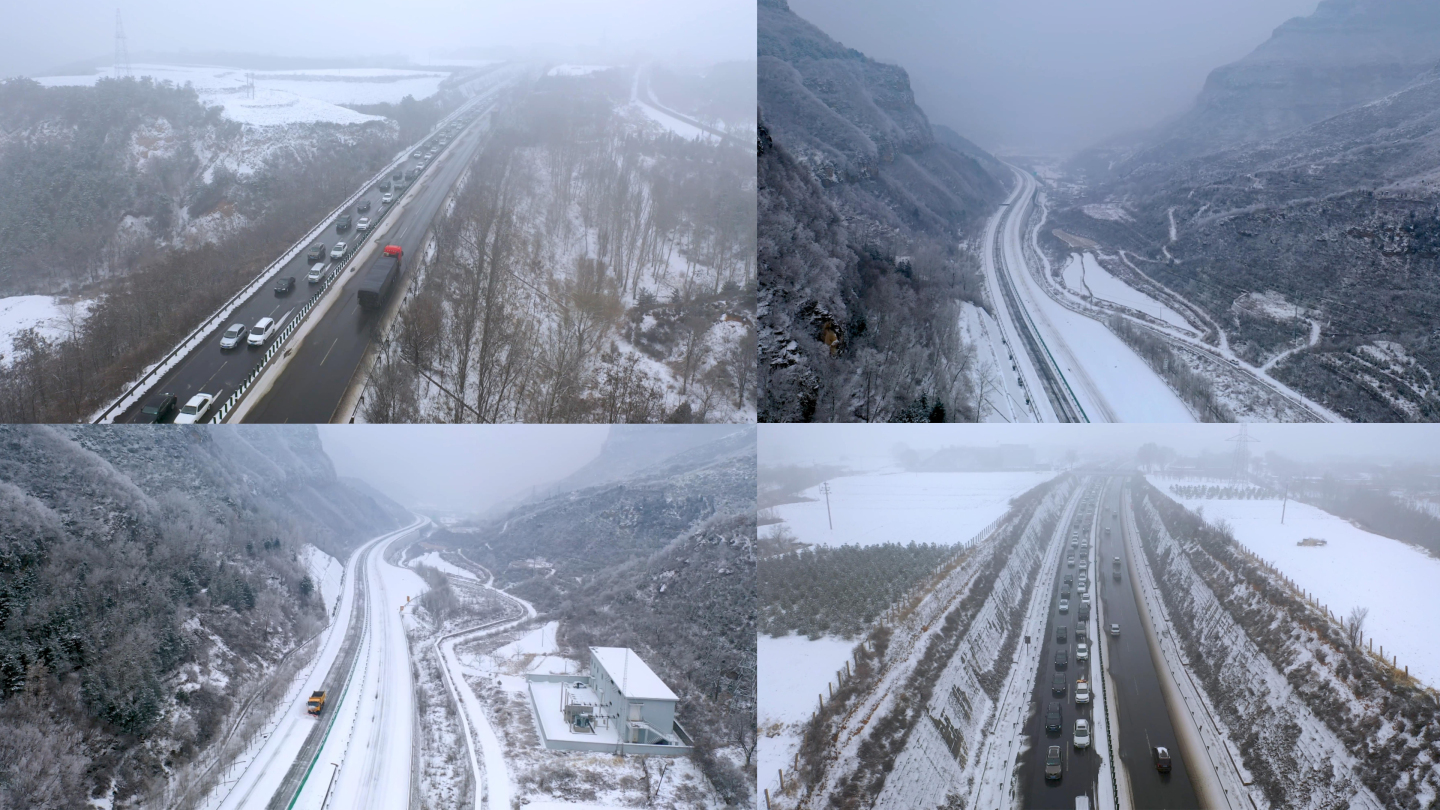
point(853, 122)
point(147, 578)
point(861, 213)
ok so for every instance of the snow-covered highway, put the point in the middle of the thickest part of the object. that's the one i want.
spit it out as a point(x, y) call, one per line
point(261, 774)
point(1074, 369)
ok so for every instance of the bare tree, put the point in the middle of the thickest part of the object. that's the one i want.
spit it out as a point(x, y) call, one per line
point(653, 778)
point(1356, 625)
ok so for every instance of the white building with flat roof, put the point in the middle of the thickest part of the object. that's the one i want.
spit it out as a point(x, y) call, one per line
point(622, 706)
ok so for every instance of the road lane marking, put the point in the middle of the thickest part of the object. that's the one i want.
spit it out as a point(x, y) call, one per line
point(217, 371)
point(327, 351)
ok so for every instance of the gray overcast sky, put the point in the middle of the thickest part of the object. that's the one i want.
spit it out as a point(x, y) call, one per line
point(42, 35)
point(801, 444)
point(1052, 76)
point(459, 468)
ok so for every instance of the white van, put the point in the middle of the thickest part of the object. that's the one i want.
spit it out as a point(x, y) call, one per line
point(1082, 803)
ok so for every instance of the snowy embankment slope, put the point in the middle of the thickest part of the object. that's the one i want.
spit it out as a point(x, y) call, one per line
point(946, 507)
point(288, 96)
point(47, 315)
point(325, 572)
point(995, 374)
point(1393, 580)
point(793, 672)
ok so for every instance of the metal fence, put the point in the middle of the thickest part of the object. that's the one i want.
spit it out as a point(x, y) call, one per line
point(202, 332)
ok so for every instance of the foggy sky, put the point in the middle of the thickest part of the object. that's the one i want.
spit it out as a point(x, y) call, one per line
point(464, 468)
point(859, 445)
point(1052, 76)
point(43, 36)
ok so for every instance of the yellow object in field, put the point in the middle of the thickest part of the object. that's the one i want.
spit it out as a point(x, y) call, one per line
point(316, 702)
point(407, 600)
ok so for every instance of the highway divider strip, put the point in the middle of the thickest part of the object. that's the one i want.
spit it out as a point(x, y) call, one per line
point(142, 386)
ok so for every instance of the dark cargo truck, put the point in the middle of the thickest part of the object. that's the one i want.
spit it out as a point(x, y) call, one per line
point(380, 278)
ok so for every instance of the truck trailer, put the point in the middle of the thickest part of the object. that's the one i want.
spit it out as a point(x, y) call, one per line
point(380, 278)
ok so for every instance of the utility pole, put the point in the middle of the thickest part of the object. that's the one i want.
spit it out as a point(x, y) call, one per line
point(825, 488)
point(1285, 502)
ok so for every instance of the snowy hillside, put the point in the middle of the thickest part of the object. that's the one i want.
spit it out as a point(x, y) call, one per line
point(285, 97)
point(52, 318)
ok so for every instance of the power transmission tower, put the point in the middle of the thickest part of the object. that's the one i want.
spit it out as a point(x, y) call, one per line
point(825, 488)
point(122, 50)
point(1241, 463)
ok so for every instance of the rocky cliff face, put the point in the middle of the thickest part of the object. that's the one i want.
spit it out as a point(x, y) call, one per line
point(851, 120)
point(861, 213)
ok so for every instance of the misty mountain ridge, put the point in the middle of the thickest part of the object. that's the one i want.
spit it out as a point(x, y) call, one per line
point(1348, 53)
point(1327, 212)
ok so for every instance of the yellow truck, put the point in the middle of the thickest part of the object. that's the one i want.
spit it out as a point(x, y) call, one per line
point(316, 702)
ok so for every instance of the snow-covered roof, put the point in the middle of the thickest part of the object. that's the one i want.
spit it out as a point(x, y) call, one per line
point(637, 681)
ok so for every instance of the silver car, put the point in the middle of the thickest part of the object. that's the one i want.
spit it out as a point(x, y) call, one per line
point(232, 336)
point(338, 251)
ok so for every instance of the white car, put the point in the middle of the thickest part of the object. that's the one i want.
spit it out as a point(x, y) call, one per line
point(338, 251)
point(232, 336)
point(1082, 733)
point(1085, 597)
point(415, 154)
point(1064, 605)
point(316, 273)
point(387, 199)
point(363, 224)
point(261, 332)
point(195, 409)
point(1114, 629)
point(1082, 652)
point(1082, 691)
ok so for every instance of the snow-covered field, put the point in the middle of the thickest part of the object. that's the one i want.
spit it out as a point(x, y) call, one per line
point(793, 670)
point(906, 507)
point(1394, 580)
point(434, 560)
point(576, 70)
point(47, 315)
point(1085, 276)
point(286, 96)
